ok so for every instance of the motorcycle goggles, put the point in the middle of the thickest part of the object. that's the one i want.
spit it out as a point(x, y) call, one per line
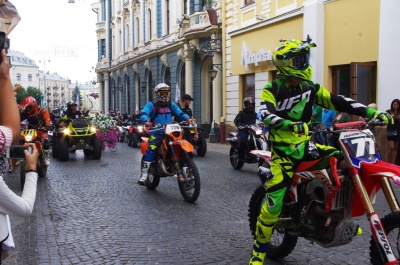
point(163, 93)
point(300, 61)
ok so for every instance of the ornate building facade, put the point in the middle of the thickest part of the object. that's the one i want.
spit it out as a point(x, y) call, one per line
point(146, 42)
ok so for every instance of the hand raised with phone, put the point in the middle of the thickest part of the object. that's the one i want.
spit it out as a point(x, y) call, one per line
point(31, 158)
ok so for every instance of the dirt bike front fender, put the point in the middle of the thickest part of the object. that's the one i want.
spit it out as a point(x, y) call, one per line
point(185, 145)
point(370, 174)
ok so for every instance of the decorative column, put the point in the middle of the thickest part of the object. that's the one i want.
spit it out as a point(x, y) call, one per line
point(217, 89)
point(106, 92)
point(188, 70)
point(101, 94)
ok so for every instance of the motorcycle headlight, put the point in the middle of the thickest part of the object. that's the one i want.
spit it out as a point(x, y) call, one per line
point(66, 131)
point(140, 128)
point(93, 129)
point(28, 138)
point(258, 132)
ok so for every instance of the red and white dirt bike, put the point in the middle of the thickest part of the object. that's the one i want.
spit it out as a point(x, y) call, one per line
point(326, 195)
point(173, 159)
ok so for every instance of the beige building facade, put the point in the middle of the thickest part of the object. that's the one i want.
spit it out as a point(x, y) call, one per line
point(349, 48)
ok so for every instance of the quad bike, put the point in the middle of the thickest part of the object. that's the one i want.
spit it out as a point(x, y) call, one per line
point(327, 193)
point(200, 144)
point(135, 133)
point(123, 127)
point(255, 141)
point(172, 159)
point(33, 136)
point(76, 134)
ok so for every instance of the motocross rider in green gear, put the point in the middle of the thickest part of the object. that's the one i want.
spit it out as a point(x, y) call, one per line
point(286, 108)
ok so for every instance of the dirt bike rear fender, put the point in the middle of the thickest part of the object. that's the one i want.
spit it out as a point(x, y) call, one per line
point(370, 174)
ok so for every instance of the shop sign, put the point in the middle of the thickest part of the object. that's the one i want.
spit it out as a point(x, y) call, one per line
point(253, 58)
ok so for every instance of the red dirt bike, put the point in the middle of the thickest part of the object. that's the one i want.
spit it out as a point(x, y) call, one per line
point(326, 194)
point(33, 136)
point(173, 159)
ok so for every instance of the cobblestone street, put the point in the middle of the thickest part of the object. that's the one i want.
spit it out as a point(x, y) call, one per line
point(93, 212)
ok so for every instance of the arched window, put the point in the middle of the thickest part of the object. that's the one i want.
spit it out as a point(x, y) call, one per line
point(167, 76)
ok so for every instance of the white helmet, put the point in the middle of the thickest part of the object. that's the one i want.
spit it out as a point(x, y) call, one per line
point(162, 92)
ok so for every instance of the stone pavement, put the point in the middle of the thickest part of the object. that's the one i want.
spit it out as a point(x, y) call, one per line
point(93, 212)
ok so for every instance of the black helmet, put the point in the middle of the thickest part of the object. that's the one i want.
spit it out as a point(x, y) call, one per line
point(248, 103)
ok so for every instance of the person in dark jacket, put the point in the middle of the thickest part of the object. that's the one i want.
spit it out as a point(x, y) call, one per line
point(247, 116)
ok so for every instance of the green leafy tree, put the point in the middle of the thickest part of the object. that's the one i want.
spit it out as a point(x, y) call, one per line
point(30, 91)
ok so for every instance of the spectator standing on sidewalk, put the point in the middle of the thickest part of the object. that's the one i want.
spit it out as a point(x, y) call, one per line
point(185, 107)
point(394, 111)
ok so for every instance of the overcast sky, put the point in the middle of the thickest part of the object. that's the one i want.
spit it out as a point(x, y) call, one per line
point(60, 32)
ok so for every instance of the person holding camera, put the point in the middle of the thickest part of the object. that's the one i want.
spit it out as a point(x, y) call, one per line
point(393, 131)
point(10, 203)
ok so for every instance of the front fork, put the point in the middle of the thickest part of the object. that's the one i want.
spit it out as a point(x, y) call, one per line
point(175, 159)
point(373, 217)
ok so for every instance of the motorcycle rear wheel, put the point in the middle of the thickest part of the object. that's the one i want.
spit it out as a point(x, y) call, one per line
point(190, 189)
point(234, 158)
point(281, 243)
point(391, 225)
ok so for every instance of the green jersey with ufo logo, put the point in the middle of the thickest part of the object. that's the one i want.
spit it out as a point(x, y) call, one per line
point(281, 102)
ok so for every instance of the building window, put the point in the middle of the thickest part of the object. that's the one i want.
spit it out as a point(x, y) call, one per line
point(249, 86)
point(18, 77)
point(30, 77)
point(249, 2)
point(149, 25)
point(167, 17)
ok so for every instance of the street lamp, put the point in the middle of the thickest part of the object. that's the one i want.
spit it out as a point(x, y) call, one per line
point(114, 91)
point(213, 73)
point(44, 80)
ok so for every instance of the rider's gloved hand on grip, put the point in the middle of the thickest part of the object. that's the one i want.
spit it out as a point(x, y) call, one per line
point(383, 116)
point(148, 125)
point(299, 127)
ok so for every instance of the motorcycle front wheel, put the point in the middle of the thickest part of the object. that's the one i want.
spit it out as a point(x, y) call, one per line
point(281, 243)
point(190, 188)
point(153, 180)
point(391, 225)
point(234, 158)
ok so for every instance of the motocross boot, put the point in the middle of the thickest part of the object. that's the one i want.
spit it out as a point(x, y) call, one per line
point(263, 235)
point(259, 251)
point(145, 172)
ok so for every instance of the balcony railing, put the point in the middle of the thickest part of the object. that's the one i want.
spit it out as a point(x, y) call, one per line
point(101, 25)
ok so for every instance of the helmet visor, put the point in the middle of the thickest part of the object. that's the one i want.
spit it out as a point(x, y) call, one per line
point(300, 61)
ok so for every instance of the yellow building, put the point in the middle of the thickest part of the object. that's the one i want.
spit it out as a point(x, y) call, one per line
point(352, 38)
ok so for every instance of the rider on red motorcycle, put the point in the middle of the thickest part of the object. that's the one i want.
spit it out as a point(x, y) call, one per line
point(287, 109)
point(159, 112)
point(247, 116)
point(39, 118)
